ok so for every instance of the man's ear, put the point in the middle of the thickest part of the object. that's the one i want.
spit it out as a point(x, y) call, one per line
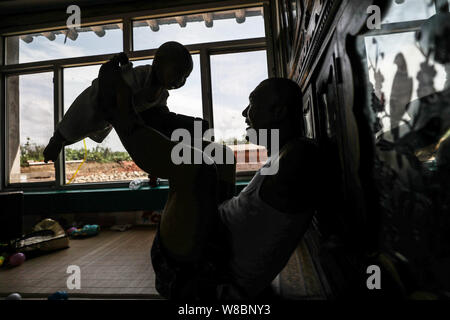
point(280, 112)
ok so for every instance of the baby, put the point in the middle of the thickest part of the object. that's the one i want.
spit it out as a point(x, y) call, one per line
point(149, 84)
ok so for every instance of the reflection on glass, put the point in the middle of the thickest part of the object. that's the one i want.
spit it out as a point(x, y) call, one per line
point(106, 161)
point(29, 101)
point(399, 75)
point(406, 10)
point(50, 45)
point(411, 119)
point(186, 100)
point(294, 10)
point(234, 76)
point(199, 28)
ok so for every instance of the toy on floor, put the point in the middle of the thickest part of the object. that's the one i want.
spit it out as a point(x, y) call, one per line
point(59, 295)
point(121, 228)
point(150, 218)
point(46, 236)
point(17, 259)
point(70, 230)
point(14, 296)
point(88, 230)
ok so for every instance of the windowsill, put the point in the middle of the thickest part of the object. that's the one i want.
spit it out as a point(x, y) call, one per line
point(98, 200)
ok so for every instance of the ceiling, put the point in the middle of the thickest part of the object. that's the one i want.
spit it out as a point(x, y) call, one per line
point(19, 15)
point(13, 7)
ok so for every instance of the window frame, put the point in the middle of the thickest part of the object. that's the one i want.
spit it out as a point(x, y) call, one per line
point(205, 50)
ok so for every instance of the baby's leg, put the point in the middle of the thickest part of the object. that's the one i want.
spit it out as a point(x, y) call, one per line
point(81, 120)
point(83, 117)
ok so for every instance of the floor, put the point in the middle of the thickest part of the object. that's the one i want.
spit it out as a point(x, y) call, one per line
point(299, 280)
point(111, 263)
point(117, 265)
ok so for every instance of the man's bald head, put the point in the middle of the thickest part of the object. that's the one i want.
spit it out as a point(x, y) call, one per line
point(281, 92)
point(276, 103)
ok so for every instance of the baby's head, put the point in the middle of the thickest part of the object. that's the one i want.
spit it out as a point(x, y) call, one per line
point(172, 65)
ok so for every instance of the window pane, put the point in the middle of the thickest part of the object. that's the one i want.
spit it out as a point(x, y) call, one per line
point(106, 161)
point(50, 45)
point(186, 100)
point(409, 10)
point(29, 101)
point(199, 28)
point(234, 76)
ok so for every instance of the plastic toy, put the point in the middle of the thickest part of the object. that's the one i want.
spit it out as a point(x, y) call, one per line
point(87, 231)
point(14, 296)
point(17, 259)
point(71, 230)
point(2, 259)
point(59, 295)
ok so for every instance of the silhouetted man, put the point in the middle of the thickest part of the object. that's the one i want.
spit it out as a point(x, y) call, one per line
point(209, 244)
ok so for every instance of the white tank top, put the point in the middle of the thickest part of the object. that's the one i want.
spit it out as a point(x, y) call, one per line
point(262, 238)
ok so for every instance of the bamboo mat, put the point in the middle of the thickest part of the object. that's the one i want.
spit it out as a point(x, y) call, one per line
point(112, 264)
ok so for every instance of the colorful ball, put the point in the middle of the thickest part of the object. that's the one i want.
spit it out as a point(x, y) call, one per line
point(17, 259)
point(59, 295)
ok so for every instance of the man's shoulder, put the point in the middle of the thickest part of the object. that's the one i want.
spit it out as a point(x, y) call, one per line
point(298, 160)
point(298, 167)
point(299, 150)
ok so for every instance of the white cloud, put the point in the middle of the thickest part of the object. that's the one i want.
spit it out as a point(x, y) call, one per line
point(49, 50)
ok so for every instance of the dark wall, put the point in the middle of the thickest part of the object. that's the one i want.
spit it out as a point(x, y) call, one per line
point(374, 213)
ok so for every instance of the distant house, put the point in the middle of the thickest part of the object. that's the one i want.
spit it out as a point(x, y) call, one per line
point(249, 157)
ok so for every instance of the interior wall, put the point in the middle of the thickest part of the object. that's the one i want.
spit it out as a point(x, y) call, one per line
point(311, 50)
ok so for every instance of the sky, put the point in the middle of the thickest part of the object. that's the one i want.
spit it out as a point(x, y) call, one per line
point(234, 76)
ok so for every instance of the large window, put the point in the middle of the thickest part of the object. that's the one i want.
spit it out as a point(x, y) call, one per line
point(106, 161)
point(44, 72)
